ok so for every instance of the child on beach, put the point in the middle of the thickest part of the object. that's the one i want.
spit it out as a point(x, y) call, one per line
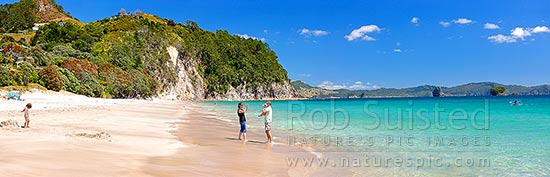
point(27, 114)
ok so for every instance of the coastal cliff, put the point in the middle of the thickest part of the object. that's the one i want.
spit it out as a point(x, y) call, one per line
point(190, 85)
point(135, 55)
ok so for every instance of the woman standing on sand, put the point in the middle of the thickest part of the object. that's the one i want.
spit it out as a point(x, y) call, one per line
point(242, 120)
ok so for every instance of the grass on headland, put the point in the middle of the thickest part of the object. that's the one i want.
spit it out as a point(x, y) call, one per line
point(18, 36)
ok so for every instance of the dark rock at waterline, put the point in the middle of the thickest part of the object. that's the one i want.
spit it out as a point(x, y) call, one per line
point(437, 92)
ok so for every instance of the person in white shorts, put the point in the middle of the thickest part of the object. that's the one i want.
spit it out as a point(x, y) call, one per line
point(267, 112)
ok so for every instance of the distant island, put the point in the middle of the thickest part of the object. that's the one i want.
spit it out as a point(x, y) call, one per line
point(472, 89)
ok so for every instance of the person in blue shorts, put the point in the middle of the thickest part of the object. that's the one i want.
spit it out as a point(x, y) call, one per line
point(242, 120)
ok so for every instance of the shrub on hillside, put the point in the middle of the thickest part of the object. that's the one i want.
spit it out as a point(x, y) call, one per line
point(89, 85)
point(6, 77)
point(70, 82)
point(81, 45)
point(16, 77)
point(28, 72)
point(50, 78)
point(121, 57)
point(86, 73)
point(143, 85)
point(6, 60)
point(41, 57)
point(115, 80)
point(122, 84)
point(78, 66)
point(68, 51)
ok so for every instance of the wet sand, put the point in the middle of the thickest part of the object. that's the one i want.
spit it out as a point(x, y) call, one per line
point(214, 150)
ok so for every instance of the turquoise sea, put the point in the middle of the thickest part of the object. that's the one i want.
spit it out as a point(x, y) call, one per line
point(449, 136)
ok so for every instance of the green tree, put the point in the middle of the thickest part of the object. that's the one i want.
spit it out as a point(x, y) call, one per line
point(55, 33)
point(497, 90)
point(18, 16)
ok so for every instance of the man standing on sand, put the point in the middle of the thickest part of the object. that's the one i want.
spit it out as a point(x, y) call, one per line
point(267, 112)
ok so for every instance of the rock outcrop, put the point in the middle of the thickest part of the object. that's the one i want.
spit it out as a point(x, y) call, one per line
point(437, 92)
point(190, 85)
point(267, 91)
point(49, 11)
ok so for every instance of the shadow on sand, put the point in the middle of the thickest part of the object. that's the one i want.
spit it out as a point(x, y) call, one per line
point(250, 141)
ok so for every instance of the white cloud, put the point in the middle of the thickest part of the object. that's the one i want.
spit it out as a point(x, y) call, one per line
point(358, 85)
point(246, 36)
point(316, 33)
point(520, 33)
point(491, 26)
point(540, 29)
point(304, 75)
point(463, 21)
point(502, 39)
point(331, 86)
point(397, 49)
point(444, 23)
point(415, 20)
point(362, 33)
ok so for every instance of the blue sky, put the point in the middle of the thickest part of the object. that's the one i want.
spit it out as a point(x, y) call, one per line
point(448, 43)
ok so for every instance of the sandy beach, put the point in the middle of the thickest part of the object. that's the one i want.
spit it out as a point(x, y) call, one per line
point(73, 135)
point(214, 150)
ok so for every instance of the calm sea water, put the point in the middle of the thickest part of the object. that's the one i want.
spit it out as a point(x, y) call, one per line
point(451, 136)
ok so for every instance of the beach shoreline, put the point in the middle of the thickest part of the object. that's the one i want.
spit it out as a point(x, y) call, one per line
point(73, 135)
